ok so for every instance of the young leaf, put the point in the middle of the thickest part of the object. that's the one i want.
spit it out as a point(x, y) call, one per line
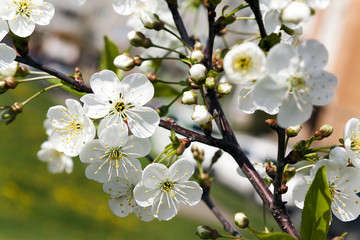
point(316, 214)
point(111, 51)
point(271, 235)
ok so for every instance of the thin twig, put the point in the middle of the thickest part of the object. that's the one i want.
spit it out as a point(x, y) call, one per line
point(280, 165)
point(255, 7)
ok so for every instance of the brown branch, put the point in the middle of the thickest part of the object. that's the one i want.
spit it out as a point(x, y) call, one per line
point(227, 226)
point(255, 7)
point(280, 165)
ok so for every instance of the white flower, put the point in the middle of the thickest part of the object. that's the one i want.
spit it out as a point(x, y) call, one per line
point(351, 135)
point(22, 15)
point(165, 189)
point(197, 72)
point(201, 114)
point(121, 102)
point(124, 7)
point(244, 63)
point(57, 161)
point(124, 61)
point(318, 4)
point(10, 71)
point(295, 12)
point(122, 201)
point(297, 82)
point(7, 54)
point(260, 168)
point(73, 128)
point(197, 56)
point(113, 154)
point(344, 184)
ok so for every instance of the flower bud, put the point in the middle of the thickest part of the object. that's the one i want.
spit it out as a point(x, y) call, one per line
point(293, 131)
point(210, 83)
point(295, 12)
point(283, 189)
point(198, 46)
point(216, 156)
point(271, 123)
point(224, 88)
point(138, 39)
point(206, 232)
point(324, 132)
point(10, 71)
point(124, 61)
point(241, 220)
point(294, 156)
point(197, 56)
point(151, 21)
point(197, 73)
point(270, 169)
point(201, 114)
point(189, 97)
point(8, 114)
point(163, 110)
point(152, 77)
point(289, 173)
point(207, 128)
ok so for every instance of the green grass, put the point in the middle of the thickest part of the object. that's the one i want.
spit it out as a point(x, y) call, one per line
point(35, 204)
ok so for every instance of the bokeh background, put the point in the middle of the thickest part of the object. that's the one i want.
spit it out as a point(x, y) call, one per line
point(35, 204)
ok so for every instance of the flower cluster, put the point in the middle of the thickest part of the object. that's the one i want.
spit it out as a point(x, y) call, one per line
point(113, 159)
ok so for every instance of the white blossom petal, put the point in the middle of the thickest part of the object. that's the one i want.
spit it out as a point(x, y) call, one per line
point(140, 89)
point(124, 7)
point(181, 170)
point(143, 121)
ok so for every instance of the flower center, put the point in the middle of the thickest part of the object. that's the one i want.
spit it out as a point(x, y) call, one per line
point(167, 185)
point(119, 106)
point(355, 142)
point(242, 64)
point(297, 84)
point(23, 8)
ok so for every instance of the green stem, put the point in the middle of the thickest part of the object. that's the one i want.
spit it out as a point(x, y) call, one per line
point(238, 8)
point(242, 33)
point(40, 92)
point(38, 73)
point(162, 153)
point(304, 167)
point(35, 79)
point(160, 58)
point(253, 38)
point(245, 18)
point(168, 49)
point(166, 82)
point(174, 34)
point(231, 237)
point(319, 148)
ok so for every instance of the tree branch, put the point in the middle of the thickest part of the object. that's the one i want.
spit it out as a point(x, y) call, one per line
point(255, 7)
point(78, 85)
point(227, 226)
point(280, 165)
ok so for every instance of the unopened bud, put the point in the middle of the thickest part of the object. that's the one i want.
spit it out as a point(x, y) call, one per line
point(224, 88)
point(197, 73)
point(22, 72)
point(271, 123)
point(283, 189)
point(206, 232)
point(138, 39)
point(241, 220)
point(270, 169)
point(152, 77)
point(210, 83)
point(189, 97)
point(197, 56)
point(294, 156)
point(295, 12)
point(163, 110)
point(8, 114)
point(194, 148)
point(312, 156)
point(201, 114)
point(293, 131)
point(207, 128)
point(124, 61)
point(10, 71)
point(216, 156)
point(151, 21)
point(180, 150)
point(198, 46)
point(324, 132)
point(289, 173)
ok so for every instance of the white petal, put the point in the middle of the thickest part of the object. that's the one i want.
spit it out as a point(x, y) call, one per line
point(278, 61)
point(300, 190)
point(188, 192)
point(291, 115)
point(43, 13)
point(92, 172)
point(137, 147)
point(7, 56)
point(321, 89)
point(22, 26)
point(346, 206)
point(94, 108)
point(105, 85)
point(145, 196)
point(113, 119)
point(181, 170)
point(122, 206)
point(313, 55)
point(349, 180)
point(246, 100)
point(138, 89)
point(143, 213)
point(332, 170)
point(267, 94)
point(124, 7)
point(153, 175)
point(143, 121)
point(164, 207)
point(113, 136)
point(339, 157)
point(4, 29)
point(92, 151)
point(318, 4)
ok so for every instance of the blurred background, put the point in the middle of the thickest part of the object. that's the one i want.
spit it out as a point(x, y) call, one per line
point(35, 204)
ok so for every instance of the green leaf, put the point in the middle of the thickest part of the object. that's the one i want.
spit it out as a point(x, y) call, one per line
point(164, 90)
point(111, 51)
point(316, 214)
point(271, 235)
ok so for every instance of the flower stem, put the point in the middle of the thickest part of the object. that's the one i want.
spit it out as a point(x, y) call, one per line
point(36, 79)
point(238, 8)
point(245, 18)
point(40, 92)
point(38, 73)
point(168, 49)
point(174, 34)
point(304, 167)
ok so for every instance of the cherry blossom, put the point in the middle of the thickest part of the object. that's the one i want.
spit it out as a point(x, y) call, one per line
point(351, 137)
point(121, 103)
point(7, 54)
point(166, 188)
point(57, 161)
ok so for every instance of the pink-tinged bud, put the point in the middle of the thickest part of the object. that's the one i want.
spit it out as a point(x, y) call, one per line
point(201, 114)
point(224, 88)
point(241, 220)
point(324, 132)
point(124, 61)
point(189, 97)
point(293, 131)
point(197, 73)
point(197, 56)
